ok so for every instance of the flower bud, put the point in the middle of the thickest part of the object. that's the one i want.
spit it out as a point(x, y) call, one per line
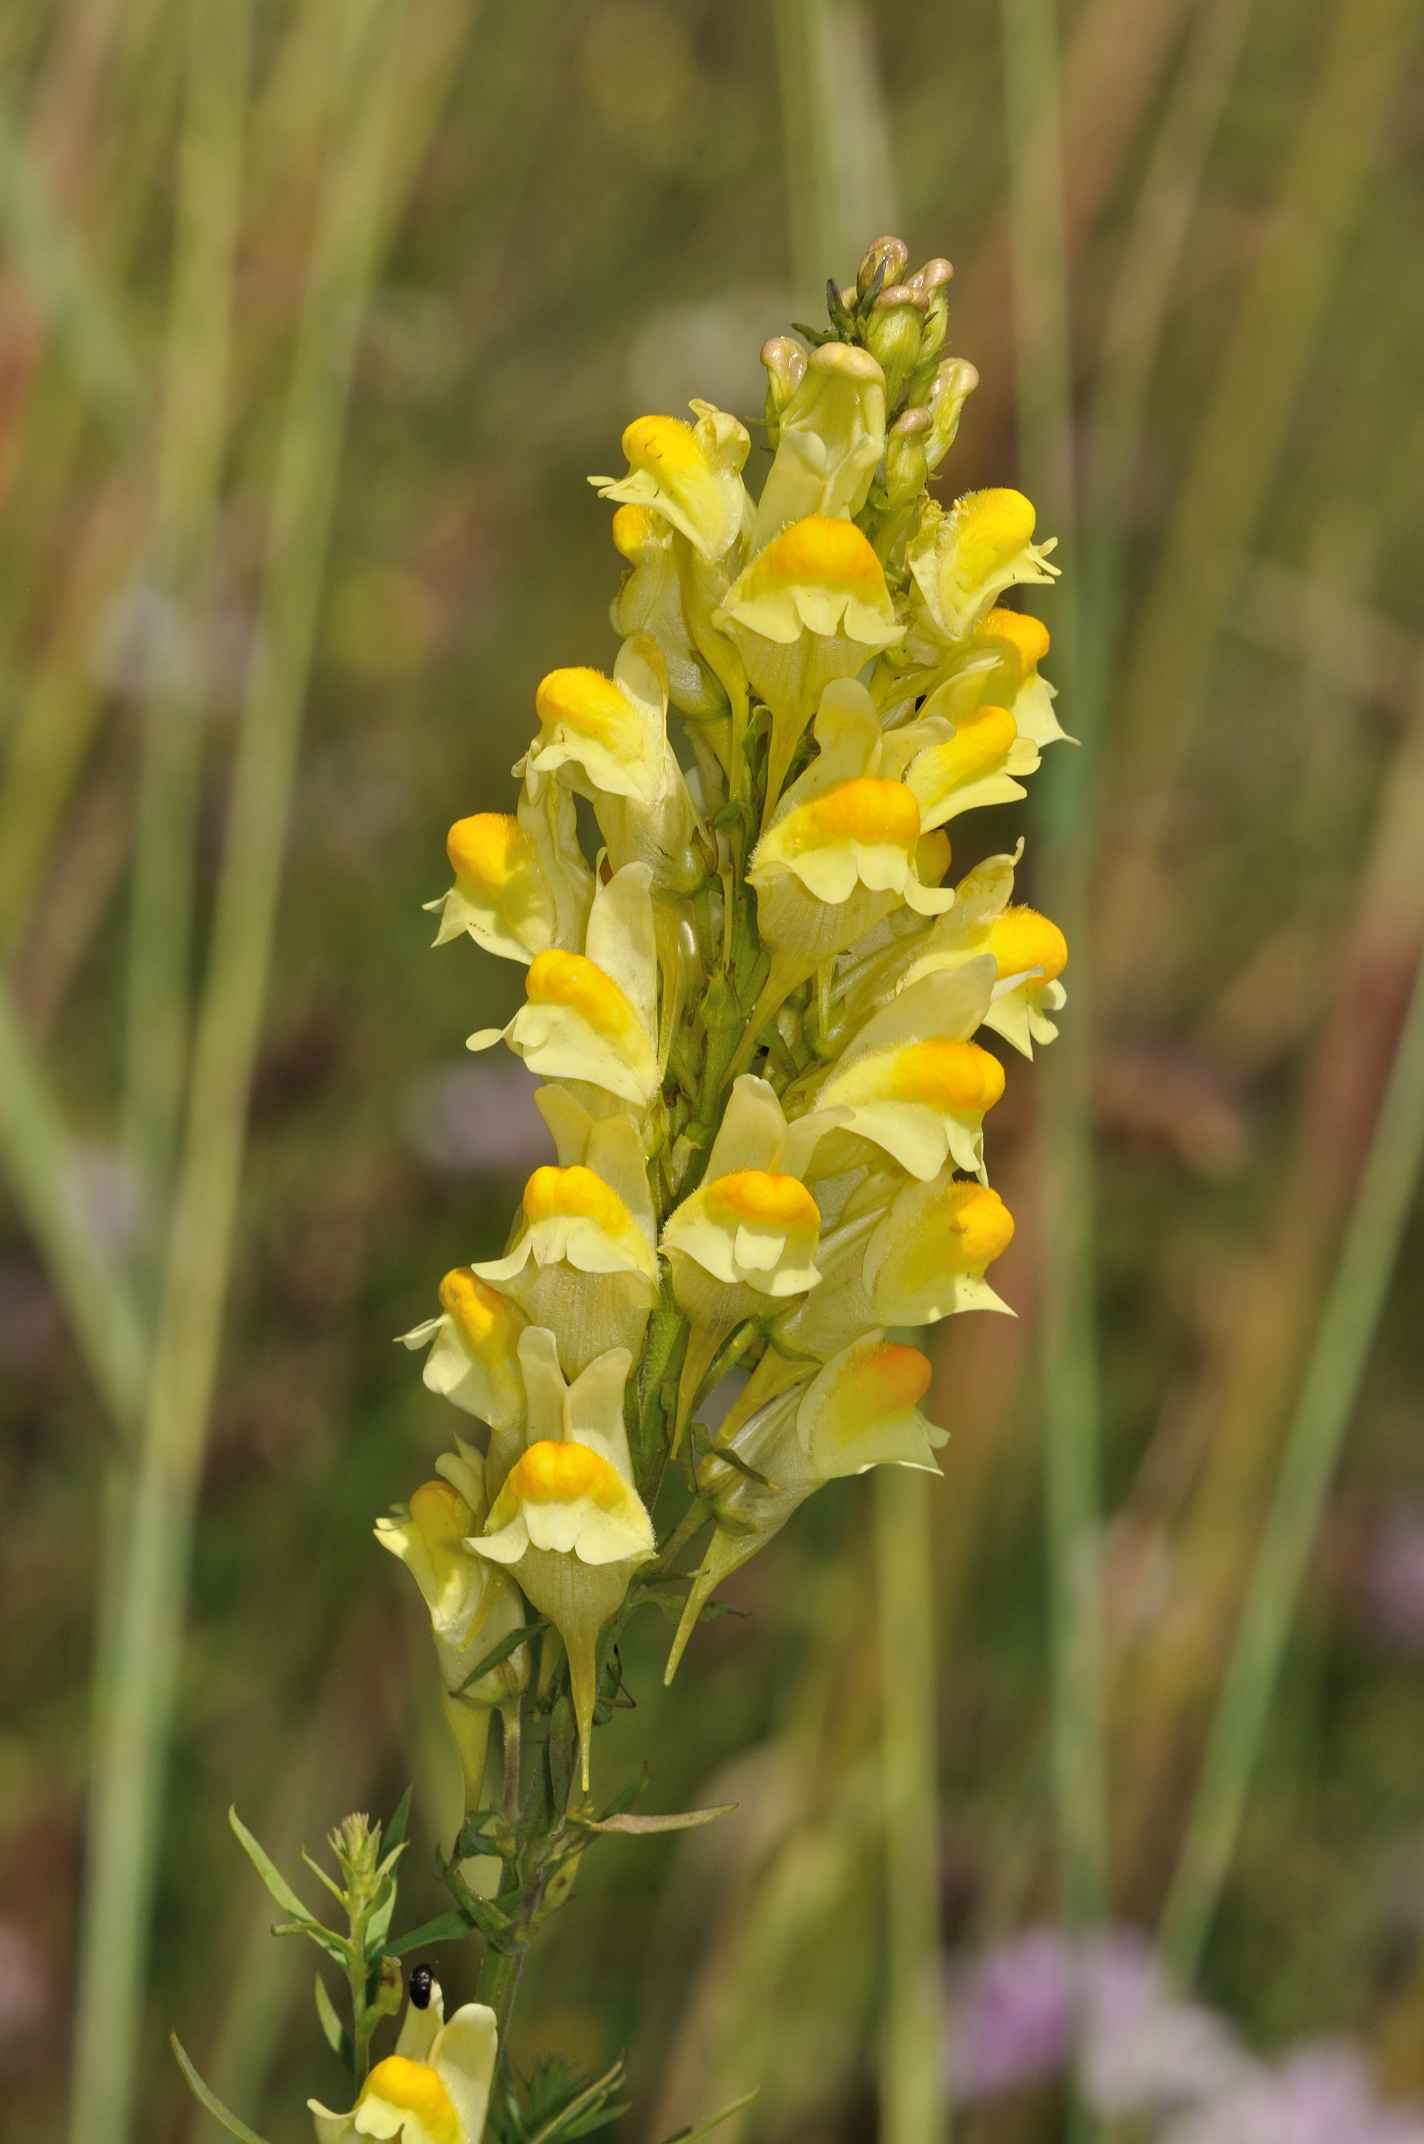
point(955, 382)
point(884, 261)
point(906, 464)
point(785, 363)
point(892, 335)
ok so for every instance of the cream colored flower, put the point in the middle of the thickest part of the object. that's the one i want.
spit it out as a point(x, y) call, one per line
point(1028, 950)
point(433, 2090)
point(472, 1607)
point(651, 602)
point(583, 1261)
point(860, 1411)
point(912, 1083)
point(474, 1360)
point(688, 473)
point(812, 606)
point(569, 1522)
point(842, 849)
point(963, 559)
point(521, 883)
point(592, 1016)
point(830, 438)
point(905, 1253)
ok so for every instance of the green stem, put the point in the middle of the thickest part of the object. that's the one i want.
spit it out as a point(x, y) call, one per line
point(913, 2100)
point(1327, 1402)
point(1070, 1397)
point(192, 444)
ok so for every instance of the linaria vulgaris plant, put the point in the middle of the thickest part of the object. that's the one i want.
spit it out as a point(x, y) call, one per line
point(753, 1013)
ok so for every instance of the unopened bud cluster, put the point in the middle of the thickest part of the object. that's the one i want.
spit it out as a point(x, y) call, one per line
point(756, 1012)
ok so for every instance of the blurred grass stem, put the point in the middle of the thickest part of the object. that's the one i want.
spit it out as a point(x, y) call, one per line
point(192, 441)
point(39, 1164)
point(1070, 1398)
point(129, 1764)
point(840, 195)
point(1353, 1306)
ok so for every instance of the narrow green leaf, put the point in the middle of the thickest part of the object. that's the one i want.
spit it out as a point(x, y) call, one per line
point(650, 1826)
point(337, 1948)
point(395, 1833)
point(705, 2129)
point(266, 1868)
point(208, 2099)
point(591, 2102)
point(502, 1651)
point(445, 1928)
point(322, 1878)
point(331, 2025)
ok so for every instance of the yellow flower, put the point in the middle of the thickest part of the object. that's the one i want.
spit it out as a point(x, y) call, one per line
point(842, 849)
point(830, 438)
point(860, 1411)
point(521, 883)
point(569, 1522)
point(904, 1253)
point(1029, 953)
point(910, 1080)
point(582, 1261)
point(433, 2090)
point(592, 1016)
point(471, 1606)
point(651, 602)
point(962, 559)
point(474, 1360)
point(690, 474)
point(746, 1237)
point(812, 606)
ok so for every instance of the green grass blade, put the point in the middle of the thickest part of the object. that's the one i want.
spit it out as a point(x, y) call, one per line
point(1328, 1396)
point(128, 1764)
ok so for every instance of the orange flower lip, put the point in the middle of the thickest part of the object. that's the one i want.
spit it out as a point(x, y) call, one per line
point(982, 741)
point(417, 2089)
point(481, 1312)
point(957, 1076)
point(979, 1223)
point(553, 1194)
point(586, 701)
point(574, 981)
point(887, 1379)
point(991, 528)
point(1021, 938)
point(665, 445)
point(823, 552)
point(866, 810)
point(1028, 637)
point(489, 848)
point(553, 1473)
point(763, 1197)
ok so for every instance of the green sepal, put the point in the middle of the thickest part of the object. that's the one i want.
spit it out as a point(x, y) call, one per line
point(511, 1643)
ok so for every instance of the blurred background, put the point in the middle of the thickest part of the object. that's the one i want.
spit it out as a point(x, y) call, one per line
point(313, 318)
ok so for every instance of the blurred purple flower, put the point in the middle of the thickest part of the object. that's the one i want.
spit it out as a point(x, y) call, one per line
point(1011, 2016)
point(1140, 2049)
point(1322, 2095)
point(1394, 1579)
